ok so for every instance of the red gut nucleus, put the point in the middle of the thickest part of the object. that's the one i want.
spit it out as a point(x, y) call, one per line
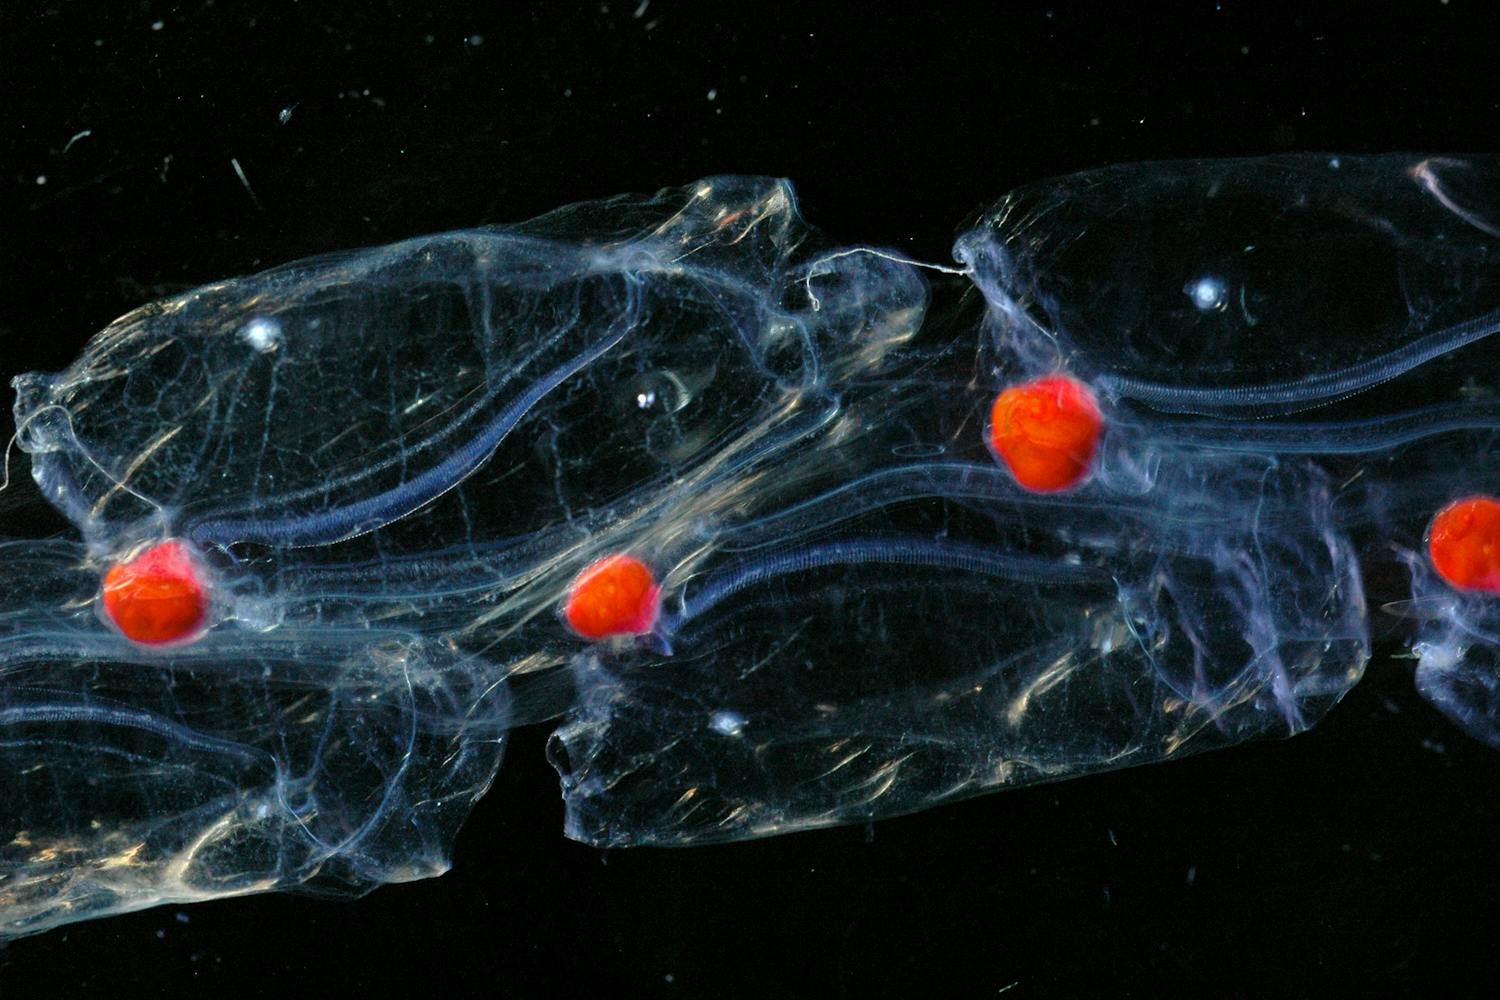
point(1464, 543)
point(617, 595)
point(157, 597)
point(1046, 432)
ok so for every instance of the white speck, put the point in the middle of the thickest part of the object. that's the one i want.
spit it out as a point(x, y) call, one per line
point(476, 40)
point(640, 11)
point(158, 25)
point(713, 94)
point(567, 91)
point(1244, 50)
point(727, 723)
point(1335, 163)
point(285, 114)
point(1208, 293)
point(262, 334)
point(80, 135)
point(41, 179)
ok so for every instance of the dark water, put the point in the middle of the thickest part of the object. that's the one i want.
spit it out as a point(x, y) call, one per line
point(149, 148)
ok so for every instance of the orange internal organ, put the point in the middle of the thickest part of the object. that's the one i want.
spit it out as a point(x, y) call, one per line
point(618, 595)
point(1046, 432)
point(1464, 543)
point(157, 597)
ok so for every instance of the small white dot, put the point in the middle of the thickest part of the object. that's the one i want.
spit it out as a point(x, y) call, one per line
point(727, 723)
point(262, 334)
point(1208, 294)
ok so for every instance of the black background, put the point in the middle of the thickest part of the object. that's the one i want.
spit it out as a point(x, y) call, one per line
point(1359, 858)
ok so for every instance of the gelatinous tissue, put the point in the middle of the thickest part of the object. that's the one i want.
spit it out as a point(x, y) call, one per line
point(774, 533)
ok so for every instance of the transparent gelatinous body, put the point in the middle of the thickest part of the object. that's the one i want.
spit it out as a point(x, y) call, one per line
point(757, 520)
point(1341, 309)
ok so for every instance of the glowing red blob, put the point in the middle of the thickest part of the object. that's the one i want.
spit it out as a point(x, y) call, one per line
point(1046, 432)
point(158, 597)
point(617, 595)
point(1464, 544)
